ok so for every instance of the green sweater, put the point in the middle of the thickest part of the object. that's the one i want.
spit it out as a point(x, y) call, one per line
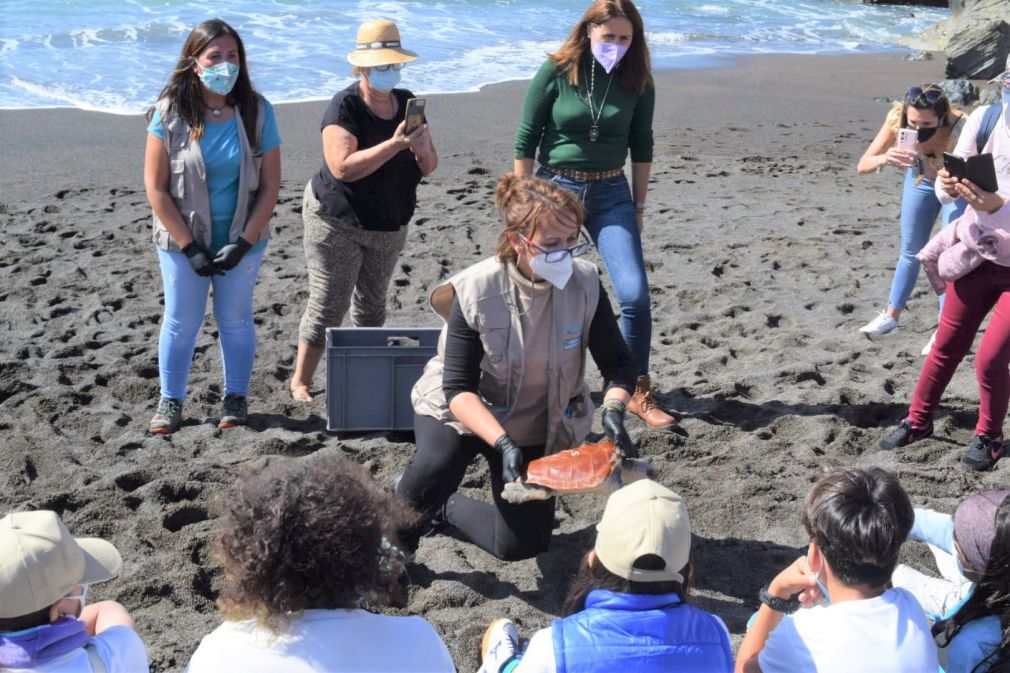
point(556, 119)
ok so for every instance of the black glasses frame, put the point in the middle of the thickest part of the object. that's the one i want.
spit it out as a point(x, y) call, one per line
point(387, 66)
point(931, 94)
point(552, 256)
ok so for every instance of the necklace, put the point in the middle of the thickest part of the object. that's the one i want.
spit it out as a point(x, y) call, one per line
point(216, 111)
point(594, 115)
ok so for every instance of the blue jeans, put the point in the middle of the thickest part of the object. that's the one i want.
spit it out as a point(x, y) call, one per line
point(185, 309)
point(611, 222)
point(919, 208)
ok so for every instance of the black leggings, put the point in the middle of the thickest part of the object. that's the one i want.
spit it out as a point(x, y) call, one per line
point(509, 531)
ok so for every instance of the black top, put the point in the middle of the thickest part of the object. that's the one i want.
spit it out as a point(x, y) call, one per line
point(384, 200)
point(464, 351)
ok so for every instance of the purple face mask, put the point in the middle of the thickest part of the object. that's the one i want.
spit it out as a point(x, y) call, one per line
point(608, 54)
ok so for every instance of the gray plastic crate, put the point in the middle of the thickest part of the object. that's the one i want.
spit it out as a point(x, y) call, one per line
point(369, 374)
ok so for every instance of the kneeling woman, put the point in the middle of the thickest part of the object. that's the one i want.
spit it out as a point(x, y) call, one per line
point(507, 381)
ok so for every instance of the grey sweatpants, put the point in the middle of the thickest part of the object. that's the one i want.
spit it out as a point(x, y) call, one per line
point(349, 267)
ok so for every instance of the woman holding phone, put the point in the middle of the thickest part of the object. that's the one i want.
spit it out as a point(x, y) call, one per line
point(355, 210)
point(928, 125)
point(589, 104)
point(981, 288)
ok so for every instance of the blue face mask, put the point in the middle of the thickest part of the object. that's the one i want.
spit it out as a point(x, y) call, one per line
point(383, 82)
point(220, 78)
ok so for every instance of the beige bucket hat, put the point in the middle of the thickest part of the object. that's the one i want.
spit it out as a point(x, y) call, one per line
point(41, 562)
point(644, 518)
point(378, 43)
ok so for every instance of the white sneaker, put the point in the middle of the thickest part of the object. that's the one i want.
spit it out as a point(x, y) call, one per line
point(880, 325)
point(929, 344)
point(499, 646)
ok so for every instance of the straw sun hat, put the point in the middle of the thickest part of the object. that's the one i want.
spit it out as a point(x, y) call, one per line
point(378, 43)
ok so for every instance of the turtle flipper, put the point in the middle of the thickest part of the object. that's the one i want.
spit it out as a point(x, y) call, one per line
point(633, 469)
point(517, 492)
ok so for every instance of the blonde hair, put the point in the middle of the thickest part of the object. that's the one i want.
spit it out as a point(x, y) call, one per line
point(522, 200)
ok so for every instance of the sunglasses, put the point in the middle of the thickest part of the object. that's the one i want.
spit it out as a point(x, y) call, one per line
point(557, 255)
point(931, 95)
point(384, 68)
point(82, 597)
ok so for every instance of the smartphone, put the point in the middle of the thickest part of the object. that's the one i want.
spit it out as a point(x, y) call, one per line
point(954, 165)
point(907, 139)
point(414, 114)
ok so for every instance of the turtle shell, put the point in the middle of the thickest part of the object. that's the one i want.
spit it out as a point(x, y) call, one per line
point(580, 468)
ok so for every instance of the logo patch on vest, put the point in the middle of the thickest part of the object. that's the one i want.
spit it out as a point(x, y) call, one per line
point(570, 340)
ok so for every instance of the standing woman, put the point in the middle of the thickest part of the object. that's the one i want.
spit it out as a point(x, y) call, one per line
point(978, 285)
point(212, 169)
point(589, 103)
point(356, 208)
point(927, 111)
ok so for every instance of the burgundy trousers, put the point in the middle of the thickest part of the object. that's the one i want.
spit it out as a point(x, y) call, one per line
point(969, 300)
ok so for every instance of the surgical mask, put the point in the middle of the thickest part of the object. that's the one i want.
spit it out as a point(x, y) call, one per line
point(608, 54)
point(925, 133)
point(820, 584)
point(220, 78)
point(383, 82)
point(555, 273)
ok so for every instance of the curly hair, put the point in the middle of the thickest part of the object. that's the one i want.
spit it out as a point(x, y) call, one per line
point(521, 200)
point(303, 533)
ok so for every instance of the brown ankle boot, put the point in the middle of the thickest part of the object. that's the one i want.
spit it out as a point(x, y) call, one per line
point(644, 406)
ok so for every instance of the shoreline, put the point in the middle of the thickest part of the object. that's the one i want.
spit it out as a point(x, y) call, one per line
point(765, 250)
point(23, 131)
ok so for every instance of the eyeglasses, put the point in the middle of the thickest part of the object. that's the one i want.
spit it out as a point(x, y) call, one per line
point(82, 597)
point(384, 68)
point(931, 95)
point(558, 255)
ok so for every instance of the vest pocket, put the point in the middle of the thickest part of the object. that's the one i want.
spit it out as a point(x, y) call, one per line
point(176, 181)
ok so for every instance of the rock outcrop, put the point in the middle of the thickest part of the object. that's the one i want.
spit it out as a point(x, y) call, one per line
point(976, 38)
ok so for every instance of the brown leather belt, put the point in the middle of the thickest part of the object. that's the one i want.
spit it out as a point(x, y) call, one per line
point(584, 176)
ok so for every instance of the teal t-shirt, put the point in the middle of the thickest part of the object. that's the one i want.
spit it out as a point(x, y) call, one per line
point(222, 157)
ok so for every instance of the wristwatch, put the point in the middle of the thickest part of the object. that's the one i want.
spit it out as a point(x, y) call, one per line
point(776, 603)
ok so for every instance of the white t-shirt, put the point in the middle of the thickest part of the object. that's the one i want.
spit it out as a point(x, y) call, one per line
point(335, 641)
point(886, 634)
point(119, 648)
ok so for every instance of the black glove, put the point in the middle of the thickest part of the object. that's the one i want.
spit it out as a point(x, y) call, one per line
point(200, 259)
point(511, 458)
point(230, 255)
point(612, 419)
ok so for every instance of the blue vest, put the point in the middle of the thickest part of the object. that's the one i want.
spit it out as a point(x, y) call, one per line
point(635, 633)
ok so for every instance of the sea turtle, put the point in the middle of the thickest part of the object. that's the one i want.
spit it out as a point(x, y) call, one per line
point(590, 468)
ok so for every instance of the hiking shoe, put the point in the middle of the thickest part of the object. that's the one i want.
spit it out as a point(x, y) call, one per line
point(903, 435)
point(233, 411)
point(880, 325)
point(167, 418)
point(643, 405)
point(928, 348)
point(499, 646)
point(982, 453)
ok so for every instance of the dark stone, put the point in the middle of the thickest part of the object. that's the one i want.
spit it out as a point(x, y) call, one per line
point(989, 96)
point(979, 39)
point(959, 91)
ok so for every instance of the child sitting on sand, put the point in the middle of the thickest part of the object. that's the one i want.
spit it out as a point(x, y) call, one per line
point(628, 607)
point(971, 602)
point(857, 520)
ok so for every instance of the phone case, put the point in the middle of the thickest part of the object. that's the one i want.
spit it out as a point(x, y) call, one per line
point(907, 139)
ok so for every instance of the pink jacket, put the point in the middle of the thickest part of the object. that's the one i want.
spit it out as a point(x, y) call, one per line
point(974, 237)
point(962, 247)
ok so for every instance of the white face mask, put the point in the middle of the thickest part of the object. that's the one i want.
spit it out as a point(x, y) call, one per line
point(555, 273)
point(820, 584)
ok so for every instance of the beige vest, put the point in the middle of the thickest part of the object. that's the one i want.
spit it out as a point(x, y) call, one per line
point(487, 297)
point(188, 179)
